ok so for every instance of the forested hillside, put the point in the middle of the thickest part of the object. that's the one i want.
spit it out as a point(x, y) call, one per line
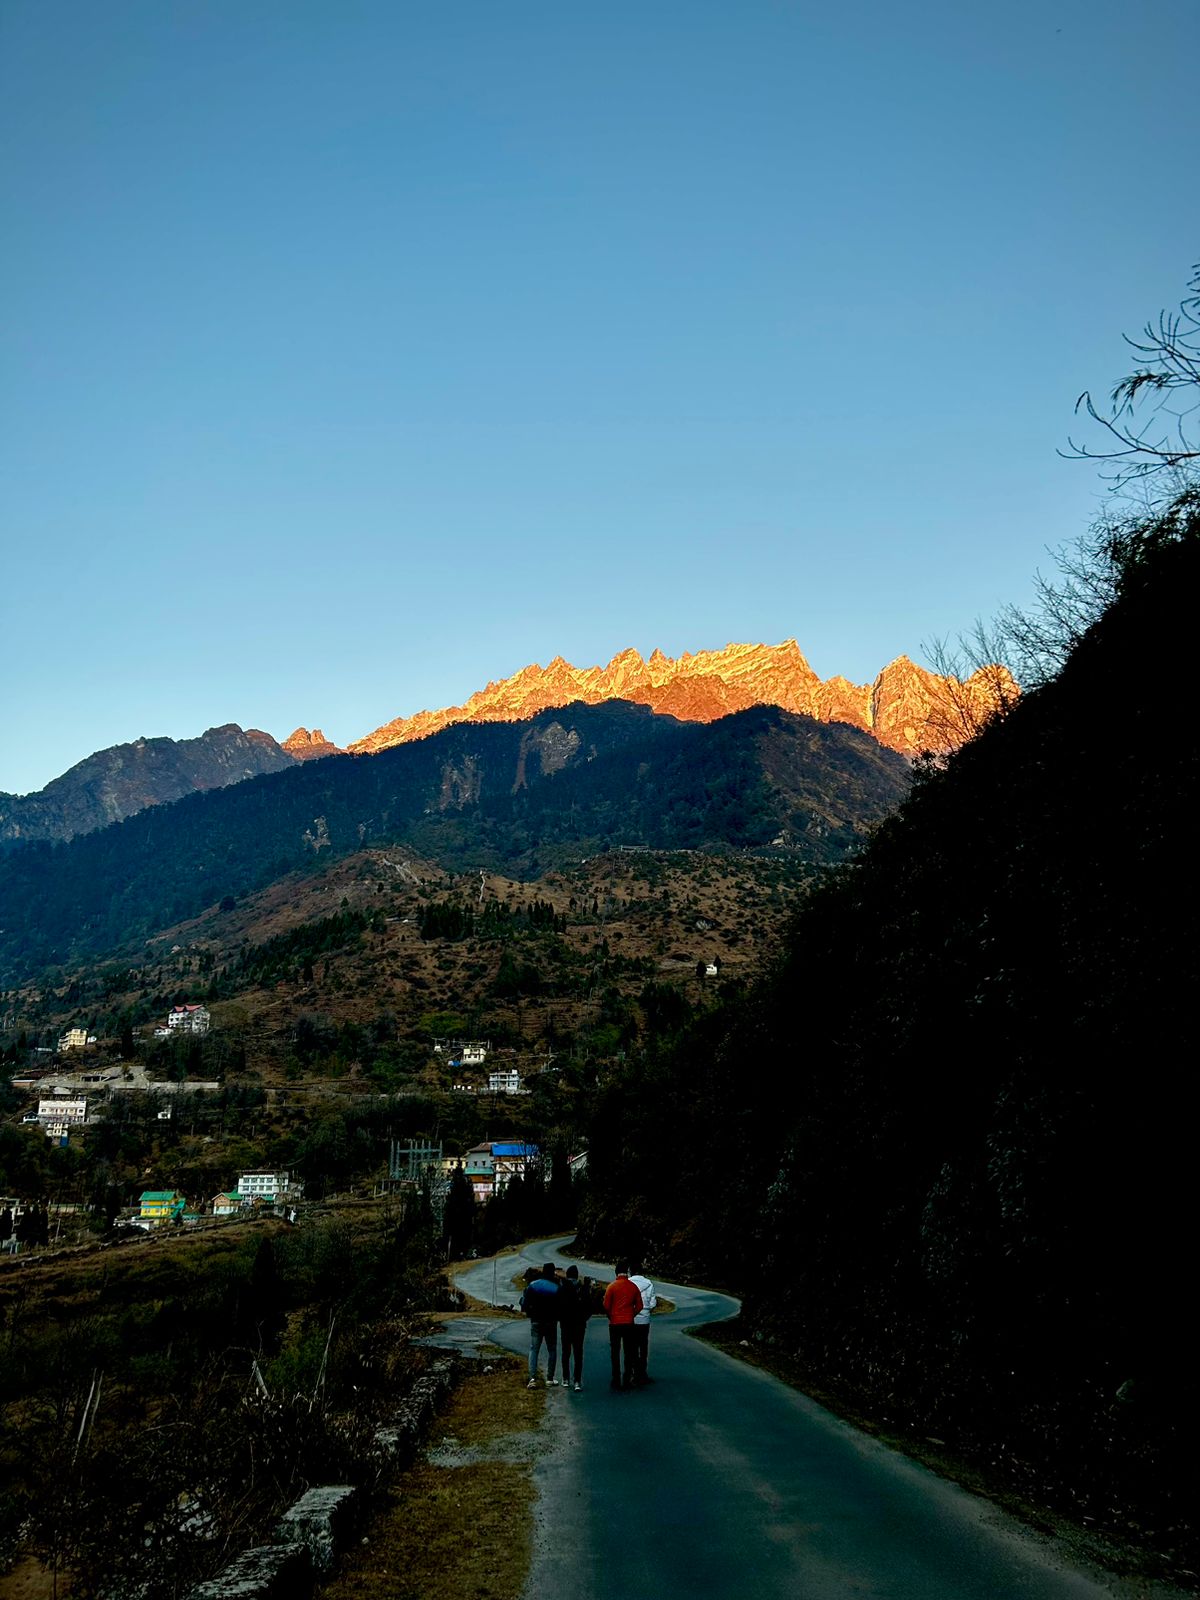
point(513, 797)
point(947, 1151)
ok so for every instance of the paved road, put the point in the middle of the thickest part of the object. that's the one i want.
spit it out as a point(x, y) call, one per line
point(720, 1482)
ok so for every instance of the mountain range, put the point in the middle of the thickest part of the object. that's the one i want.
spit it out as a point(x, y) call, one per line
point(512, 797)
point(905, 708)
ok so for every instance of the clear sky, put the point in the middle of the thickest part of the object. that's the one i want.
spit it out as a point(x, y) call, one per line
point(361, 351)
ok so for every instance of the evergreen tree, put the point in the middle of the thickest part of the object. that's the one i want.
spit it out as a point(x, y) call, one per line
point(458, 1221)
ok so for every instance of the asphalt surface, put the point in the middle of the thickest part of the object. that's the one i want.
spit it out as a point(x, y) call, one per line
point(719, 1481)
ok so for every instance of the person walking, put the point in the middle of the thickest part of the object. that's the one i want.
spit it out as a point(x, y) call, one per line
point(540, 1304)
point(641, 1326)
point(574, 1309)
point(622, 1302)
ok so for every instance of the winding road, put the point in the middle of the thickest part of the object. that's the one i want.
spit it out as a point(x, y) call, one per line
point(719, 1481)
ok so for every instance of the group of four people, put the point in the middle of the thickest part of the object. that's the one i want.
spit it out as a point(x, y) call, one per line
point(561, 1306)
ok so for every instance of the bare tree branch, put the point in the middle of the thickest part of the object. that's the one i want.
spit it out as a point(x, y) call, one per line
point(1169, 365)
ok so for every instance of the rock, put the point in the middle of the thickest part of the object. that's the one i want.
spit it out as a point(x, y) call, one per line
point(320, 1521)
point(306, 746)
point(906, 708)
point(271, 1572)
point(126, 778)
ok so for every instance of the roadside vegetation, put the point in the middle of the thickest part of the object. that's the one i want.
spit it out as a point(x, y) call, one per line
point(162, 1404)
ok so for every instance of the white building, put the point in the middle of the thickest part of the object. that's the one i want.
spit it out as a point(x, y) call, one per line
point(59, 1110)
point(463, 1052)
point(189, 1019)
point(504, 1080)
point(268, 1187)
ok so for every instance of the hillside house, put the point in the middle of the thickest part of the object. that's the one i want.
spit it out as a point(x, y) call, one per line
point(226, 1205)
point(61, 1109)
point(463, 1052)
point(73, 1039)
point(513, 1160)
point(58, 1116)
point(479, 1169)
point(158, 1206)
point(189, 1019)
point(268, 1188)
point(504, 1080)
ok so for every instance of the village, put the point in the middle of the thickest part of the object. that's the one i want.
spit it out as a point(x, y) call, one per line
point(75, 1092)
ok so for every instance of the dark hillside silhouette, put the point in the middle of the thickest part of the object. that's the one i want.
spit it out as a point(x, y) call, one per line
point(950, 1147)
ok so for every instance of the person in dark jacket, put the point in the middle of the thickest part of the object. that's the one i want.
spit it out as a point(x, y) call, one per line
point(574, 1309)
point(540, 1305)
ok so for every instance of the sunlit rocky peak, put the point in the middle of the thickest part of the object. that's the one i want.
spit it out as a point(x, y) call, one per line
point(905, 707)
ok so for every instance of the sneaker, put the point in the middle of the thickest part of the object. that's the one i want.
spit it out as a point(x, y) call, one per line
point(532, 1384)
point(578, 1388)
point(566, 1383)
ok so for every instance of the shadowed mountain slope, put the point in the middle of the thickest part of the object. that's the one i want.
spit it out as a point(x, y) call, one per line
point(512, 796)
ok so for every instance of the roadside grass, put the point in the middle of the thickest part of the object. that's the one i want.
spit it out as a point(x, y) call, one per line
point(459, 1522)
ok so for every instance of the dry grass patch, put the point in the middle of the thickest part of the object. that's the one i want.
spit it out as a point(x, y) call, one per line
point(461, 1532)
point(30, 1580)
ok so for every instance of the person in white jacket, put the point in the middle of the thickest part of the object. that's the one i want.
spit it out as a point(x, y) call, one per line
point(641, 1327)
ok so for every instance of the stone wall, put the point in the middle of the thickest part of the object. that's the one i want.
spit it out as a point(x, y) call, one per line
point(311, 1535)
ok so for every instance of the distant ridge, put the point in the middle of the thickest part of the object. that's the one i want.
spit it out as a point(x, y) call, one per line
point(905, 708)
point(124, 779)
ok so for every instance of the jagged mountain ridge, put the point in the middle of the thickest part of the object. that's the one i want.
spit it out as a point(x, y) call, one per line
point(906, 708)
point(514, 797)
point(124, 779)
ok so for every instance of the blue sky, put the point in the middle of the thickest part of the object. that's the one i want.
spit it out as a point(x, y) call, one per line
point(360, 352)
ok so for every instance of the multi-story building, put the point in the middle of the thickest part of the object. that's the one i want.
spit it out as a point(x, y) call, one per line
point(479, 1169)
point(513, 1160)
point(60, 1109)
point(60, 1115)
point(189, 1019)
point(161, 1205)
point(268, 1187)
point(73, 1039)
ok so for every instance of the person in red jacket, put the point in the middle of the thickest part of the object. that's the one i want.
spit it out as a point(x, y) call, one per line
point(622, 1302)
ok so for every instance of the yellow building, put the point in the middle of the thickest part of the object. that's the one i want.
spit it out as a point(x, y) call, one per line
point(161, 1205)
